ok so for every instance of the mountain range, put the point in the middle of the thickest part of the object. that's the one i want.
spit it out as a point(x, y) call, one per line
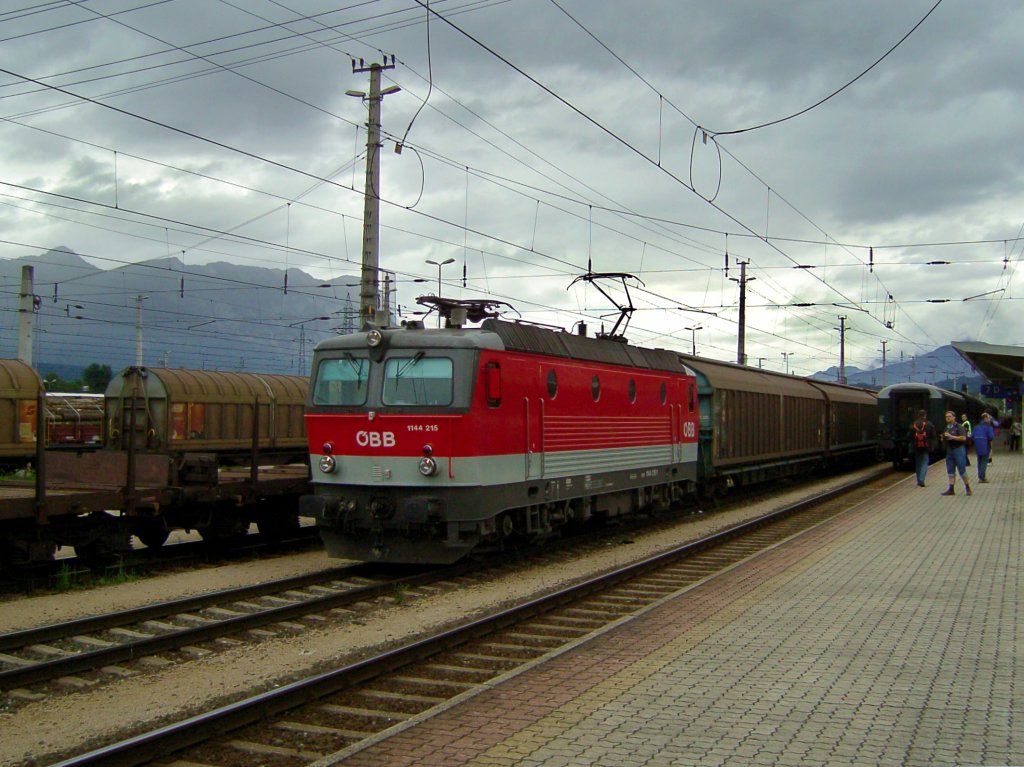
point(216, 316)
point(223, 316)
point(943, 367)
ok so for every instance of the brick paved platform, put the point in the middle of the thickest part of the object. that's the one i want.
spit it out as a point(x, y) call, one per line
point(889, 636)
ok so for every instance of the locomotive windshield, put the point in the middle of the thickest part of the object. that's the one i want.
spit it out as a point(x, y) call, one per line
point(417, 381)
point(342, 381)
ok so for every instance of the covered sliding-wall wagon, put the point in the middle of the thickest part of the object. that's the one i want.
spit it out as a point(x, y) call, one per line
point(20, 389)
point(182, 410)
point(757, 424)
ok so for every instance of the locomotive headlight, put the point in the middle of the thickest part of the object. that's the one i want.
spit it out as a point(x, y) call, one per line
point(374, 338)
point(327, 464)
point(427, 466)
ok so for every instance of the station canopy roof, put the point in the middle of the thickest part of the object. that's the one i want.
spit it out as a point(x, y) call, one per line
point(1002, 365)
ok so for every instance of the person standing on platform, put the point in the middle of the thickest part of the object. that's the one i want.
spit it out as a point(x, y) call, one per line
point(922, 437)
point(1015, 435)
point(955, 440)
point(996, 424)
point(984, 438)
point(966, 423)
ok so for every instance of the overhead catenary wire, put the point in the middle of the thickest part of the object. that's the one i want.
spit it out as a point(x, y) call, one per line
point(610, 133)
point(464, 234)
point(605, 46)
point(834, 93)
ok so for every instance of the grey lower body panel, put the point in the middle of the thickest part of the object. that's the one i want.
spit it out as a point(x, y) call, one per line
point(442, 524)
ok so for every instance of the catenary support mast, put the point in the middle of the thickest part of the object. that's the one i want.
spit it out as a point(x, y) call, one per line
point(368, 283)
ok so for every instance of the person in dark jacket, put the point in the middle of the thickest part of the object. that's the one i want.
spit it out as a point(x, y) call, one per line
point(922, 438)
point(984, 435)
point(955, 440)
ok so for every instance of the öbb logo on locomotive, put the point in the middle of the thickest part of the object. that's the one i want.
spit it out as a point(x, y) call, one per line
point(375, 438)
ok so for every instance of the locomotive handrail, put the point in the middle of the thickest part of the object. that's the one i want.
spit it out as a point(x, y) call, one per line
point(543, 451)
point(526, 446)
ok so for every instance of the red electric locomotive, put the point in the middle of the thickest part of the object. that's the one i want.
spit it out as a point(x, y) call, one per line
point(427, 444)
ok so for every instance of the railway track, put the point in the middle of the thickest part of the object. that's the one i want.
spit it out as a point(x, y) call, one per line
point(78, 654)
point(342, 710)
point(47, 653)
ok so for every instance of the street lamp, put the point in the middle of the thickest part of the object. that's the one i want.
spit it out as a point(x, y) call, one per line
point(138, 329)
point(439, 264)
point(693, 337)
point(786, 356)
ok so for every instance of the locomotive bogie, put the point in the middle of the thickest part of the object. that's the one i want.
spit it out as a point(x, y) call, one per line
point(363, 523)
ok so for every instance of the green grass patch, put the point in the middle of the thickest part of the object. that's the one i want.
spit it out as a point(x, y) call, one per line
point(70, 578)
point(27, 474)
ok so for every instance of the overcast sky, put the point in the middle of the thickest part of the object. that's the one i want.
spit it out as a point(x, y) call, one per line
point(544, 138)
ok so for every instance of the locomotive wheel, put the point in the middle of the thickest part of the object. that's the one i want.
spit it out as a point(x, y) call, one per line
point(661, 501)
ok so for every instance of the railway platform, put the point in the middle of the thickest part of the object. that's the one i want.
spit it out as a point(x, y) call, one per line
point(889, 635)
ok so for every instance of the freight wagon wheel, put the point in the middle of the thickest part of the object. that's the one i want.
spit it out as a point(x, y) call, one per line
point(17, 555)
point(278, 526)
point(706, 498)
point(152, 533)
point(107, 541)
point(225, 529)
point(101, 553)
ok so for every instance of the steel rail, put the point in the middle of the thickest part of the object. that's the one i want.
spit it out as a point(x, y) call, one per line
point(189, 732)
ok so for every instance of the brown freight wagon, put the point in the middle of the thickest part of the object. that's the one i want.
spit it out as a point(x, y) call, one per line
point(20, 387)
point(758, 424)
point(853, 416)
point(196, 411)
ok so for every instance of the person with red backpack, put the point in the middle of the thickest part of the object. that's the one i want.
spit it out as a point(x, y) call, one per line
point(922, 437)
